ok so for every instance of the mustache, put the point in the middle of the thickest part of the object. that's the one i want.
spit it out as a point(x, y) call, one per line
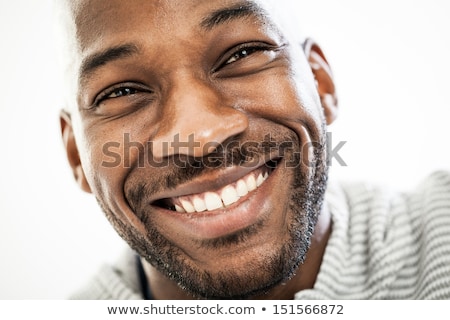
point(185, 168)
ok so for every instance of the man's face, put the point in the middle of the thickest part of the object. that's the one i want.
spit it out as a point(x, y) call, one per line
point(200, 132)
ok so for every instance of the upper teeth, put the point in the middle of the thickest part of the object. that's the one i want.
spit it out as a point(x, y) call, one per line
point(222, 198)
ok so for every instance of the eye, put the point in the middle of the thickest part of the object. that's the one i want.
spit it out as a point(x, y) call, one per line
point(244, 53)
point(115, 92)
point(256, 53)
point(119, 91)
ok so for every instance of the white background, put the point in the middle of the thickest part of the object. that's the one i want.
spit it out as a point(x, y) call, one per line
point(391, 61)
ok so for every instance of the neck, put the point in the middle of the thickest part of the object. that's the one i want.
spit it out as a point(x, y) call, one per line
point(164, 289)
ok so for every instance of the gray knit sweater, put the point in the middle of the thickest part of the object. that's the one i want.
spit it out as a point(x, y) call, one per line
point(384, 245)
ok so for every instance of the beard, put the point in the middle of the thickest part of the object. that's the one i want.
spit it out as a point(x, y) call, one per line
point(257, 276)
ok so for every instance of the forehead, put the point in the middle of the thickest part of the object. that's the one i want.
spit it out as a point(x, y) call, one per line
point(97, 19)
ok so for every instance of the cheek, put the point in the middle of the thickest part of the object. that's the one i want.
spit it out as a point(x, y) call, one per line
point(279, 97)
point(108, 156)
point(104, 156)
point(305, 86)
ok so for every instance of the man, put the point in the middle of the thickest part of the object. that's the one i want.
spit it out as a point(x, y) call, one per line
point(200, 127)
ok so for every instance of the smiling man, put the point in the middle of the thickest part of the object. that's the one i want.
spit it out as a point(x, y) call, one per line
point(200, 127)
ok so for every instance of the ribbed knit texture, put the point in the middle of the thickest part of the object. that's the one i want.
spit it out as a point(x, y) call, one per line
point(387, 245)
point(384, 245)
point(118, 282)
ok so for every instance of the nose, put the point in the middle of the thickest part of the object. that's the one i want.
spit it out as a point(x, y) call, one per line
point(195, 120)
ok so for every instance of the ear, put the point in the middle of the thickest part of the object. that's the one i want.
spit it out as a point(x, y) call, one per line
point(324, 79)
point(72, 151)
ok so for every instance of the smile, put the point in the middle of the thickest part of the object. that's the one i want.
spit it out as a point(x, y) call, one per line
point(221, 198)
point(222, 202)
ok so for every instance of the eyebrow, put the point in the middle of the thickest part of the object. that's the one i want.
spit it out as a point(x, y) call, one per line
point(93, 62)
point(239, 11)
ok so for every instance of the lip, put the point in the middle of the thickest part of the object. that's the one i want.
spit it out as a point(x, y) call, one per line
point(247, 211)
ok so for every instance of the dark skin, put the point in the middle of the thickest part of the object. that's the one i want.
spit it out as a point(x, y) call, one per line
point(223, 73)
